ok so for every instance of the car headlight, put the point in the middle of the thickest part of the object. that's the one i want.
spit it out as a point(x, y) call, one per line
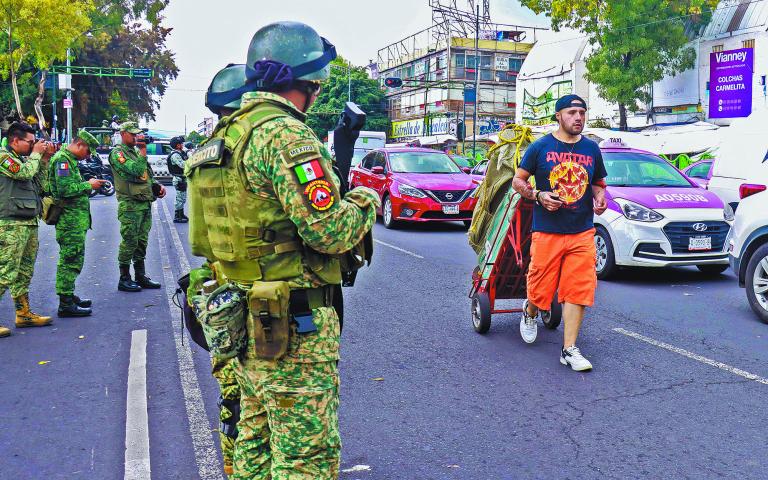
point(410, 191)
point(728, 214)
point(635, 211)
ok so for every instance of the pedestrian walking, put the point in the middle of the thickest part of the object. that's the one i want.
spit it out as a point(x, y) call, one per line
point(272, 217)
point(175, 162)
point(135, 187)
point(70, 193)
point(23, 173)
point(570, 188)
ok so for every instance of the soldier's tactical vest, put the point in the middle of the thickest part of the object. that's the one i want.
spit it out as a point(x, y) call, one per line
point(141, 191)
point(249, 235)
point(19, 199)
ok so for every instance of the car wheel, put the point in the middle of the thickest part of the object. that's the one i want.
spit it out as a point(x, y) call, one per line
point(606, 259)
point(552, 319)
point(712, 269)
point(481, 312)
point(757, 282)
point(387, 215)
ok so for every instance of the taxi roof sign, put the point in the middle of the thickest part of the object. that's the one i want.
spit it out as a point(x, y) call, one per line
point(613, 143)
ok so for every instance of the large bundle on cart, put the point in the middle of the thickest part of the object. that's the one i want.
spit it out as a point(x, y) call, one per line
point(503, 160)
point(500, 234)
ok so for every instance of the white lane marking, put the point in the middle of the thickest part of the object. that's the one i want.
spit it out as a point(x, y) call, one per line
point(208, 464)
point(393, 247)
point(357, 468)
point(694, 356)
point(136, 419)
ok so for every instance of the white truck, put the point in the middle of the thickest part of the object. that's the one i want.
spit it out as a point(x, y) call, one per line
point(366, 142)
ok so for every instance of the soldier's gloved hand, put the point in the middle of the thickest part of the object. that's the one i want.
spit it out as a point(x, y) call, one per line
point(363, 197)
point(96, 183)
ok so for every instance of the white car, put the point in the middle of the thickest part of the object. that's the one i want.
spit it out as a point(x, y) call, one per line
point(157, 154)
point(749, 245)
point(657, 217)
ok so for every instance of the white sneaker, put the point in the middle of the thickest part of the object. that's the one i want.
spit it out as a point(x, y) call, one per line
point(573, 357)
point(528, 326)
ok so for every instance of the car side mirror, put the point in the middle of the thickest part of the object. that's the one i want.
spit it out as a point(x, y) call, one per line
point(466, 169)
point(377, 170)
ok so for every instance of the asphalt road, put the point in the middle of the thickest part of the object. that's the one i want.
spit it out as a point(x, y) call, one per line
point(678, 390)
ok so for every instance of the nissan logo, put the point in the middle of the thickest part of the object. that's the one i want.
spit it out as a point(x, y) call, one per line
point(449, 196)
point(700, 227)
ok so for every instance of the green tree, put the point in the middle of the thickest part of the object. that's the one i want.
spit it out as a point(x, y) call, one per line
point(638, 41)
point(195, 137)
point(35, 32)
point(366, 92)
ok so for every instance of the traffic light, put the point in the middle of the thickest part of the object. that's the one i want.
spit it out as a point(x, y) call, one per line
point(393, 82)
point(460, 130)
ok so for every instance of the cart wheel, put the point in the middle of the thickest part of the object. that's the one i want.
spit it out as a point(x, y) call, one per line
point(555, 315)
point(481, 312)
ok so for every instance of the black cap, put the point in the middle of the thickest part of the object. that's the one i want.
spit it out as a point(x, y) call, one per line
point(176, 141)
point(566, 101)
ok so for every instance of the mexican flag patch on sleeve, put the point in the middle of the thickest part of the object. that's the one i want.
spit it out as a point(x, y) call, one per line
point(63, 169)
point(306, 172)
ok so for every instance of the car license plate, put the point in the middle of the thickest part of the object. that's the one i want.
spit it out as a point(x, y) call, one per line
point(700, 243)
point(451, 209)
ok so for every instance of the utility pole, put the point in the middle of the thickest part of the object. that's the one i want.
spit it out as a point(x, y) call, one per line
point(69, 97)
point(349, 81)
point(477, 83)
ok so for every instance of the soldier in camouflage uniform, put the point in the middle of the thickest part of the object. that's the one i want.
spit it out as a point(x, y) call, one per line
point(176, 161)
point(70, 191)
point(21, 184)
point(134, 187)
point(290, 223)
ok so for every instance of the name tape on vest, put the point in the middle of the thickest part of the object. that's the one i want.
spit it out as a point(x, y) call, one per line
point(211, 152)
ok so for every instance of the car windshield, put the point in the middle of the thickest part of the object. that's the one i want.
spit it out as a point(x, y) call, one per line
point(461, 161)
point(480, 169)
point(422, 162)
point(633, 169)
point(358, 156)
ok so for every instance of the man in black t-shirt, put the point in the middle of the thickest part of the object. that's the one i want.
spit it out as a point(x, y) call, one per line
point(570, 188)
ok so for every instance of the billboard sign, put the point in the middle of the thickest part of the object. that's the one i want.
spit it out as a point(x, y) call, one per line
point(730, 83)
point(538, 110)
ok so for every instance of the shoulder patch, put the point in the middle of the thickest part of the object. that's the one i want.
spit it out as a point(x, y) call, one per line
point(11, 165)
point(301, 151)
point(62, 169)
point(308, 171)
point(120, 156)
point(320, 195)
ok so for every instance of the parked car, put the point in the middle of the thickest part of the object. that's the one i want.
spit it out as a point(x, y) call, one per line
point(741, 157)
point(416, 185)
point(749, 245)
point(464, 163)
point(657, 216)
point(700, 172)
point(157, 153)
point(478, 171)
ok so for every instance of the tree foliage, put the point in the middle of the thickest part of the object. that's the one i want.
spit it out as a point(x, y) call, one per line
point(38, 32)
point(366, 92)
point(638, 41)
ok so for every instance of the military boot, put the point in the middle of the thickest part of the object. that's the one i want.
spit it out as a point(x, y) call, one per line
point(69, 308)
point(4, 332)
point(179, 217)
point(26, 317)
point(126, 283)
point(141, 277)
point(83, 302)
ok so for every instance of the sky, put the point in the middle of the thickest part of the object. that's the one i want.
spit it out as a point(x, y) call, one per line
point(207, 35)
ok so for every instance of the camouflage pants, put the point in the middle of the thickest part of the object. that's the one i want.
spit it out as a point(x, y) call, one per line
point(181, 197)
point(70, 234)
point(289, 425)
point(135, 222)
point(230, 392)
point(18, 251)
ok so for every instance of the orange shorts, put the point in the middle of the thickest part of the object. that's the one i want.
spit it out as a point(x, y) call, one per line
point(562, 263)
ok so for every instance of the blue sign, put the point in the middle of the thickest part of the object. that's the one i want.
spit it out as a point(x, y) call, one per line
point(470, 95)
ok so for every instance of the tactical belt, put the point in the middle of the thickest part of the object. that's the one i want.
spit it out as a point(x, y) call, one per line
point(305, 300)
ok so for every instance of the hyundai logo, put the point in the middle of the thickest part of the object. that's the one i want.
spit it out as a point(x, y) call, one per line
point(449, 196)
point(700, 227)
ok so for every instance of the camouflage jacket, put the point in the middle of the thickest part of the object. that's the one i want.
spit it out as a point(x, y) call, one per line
point(67, 184)
point(284, 160)
point(23, 168)
point(130, 165)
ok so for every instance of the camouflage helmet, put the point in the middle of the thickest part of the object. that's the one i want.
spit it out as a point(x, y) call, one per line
point(288, 44)
point(227, 79)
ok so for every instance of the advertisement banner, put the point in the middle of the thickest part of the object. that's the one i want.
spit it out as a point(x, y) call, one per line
point(730, 83)
point(539, 110)
point(408, 128)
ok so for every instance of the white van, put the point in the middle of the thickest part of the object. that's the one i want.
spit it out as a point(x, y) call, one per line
point(742, 158)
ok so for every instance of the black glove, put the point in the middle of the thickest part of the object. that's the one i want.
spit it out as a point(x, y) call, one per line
point(345, 135)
